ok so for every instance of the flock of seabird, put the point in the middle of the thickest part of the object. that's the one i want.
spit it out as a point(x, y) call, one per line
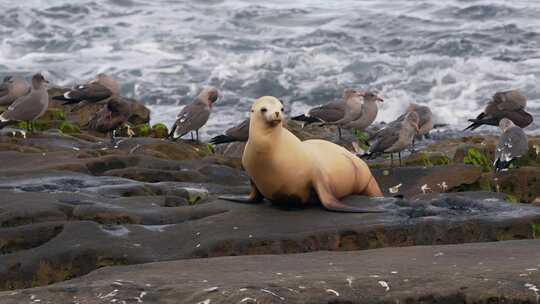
point(357, 109)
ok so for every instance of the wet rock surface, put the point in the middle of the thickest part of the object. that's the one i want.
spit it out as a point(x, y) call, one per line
point(72, 204)
point(499, 272)
point(143, 226)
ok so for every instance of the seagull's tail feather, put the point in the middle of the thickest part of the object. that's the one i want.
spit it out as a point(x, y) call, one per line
point(222, 139)
point(6, 123)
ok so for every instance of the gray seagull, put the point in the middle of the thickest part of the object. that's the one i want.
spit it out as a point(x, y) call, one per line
point(339, 112)
point(512, 145)
point(508, 104)
point(239, 132)
point(28, 107)
point(394, 138)
point(116, 112)
point(99, 89)
point(195, 115)
point(368, 113)
point(12, 88)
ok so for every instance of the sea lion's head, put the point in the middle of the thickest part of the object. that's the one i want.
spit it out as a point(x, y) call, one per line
point(269, 110)
point(505, 124)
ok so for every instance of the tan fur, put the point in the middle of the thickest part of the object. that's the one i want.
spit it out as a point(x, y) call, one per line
point(280, 165)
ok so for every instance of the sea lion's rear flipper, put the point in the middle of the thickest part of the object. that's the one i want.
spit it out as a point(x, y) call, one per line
point(372, 189)
point(330, 202)
point(254, 197)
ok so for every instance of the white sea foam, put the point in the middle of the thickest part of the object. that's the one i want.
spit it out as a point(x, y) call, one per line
point(451, 55)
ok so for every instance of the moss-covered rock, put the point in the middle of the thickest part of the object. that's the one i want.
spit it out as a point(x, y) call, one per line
point(160, 130)
point(175, 151)
point(38, 125)
point(428, 159)
point(532, 158)
point(53, 114)
point(69, 128)
point(81, 113)
point(142, 130)
point(477, 158)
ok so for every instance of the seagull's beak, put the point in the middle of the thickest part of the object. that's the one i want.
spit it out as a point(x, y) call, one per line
point(378, 98)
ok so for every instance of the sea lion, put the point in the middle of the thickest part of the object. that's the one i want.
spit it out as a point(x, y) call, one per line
point(288, 171)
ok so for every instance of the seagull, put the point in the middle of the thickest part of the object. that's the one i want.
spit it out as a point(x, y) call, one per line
point(339, 112)
point(239, 132)
point(28, 107)
point(508, 104)
point(195, 115)
point(396, 137)
point(110, 117)
point(425, 115)
point(368, 113)
point(512, 145)
point(12, 88)
point(99, 89)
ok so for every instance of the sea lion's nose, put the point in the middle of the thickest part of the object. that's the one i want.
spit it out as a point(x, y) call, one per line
point(277, 114)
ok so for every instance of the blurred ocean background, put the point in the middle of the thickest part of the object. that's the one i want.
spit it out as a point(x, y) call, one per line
point(451, 55)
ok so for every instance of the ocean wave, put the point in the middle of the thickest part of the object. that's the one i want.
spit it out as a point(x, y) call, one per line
point(451, 55)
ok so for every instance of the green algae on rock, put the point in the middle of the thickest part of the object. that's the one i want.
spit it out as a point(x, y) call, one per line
point(160, 130)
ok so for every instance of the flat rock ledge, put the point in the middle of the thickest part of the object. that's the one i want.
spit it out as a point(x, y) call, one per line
point(49, 237)
point(499, 272)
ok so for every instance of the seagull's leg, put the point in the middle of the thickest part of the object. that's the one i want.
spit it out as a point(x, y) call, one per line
point(391, 160)
point(399, 154)
point(197, 133)
point(28, 126)
point(339, 131)
point(113, 138)
point(413, 150)
point(191, 133)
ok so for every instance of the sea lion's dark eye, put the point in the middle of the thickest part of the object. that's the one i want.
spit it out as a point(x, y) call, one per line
point(281, 109)
point(264, 110)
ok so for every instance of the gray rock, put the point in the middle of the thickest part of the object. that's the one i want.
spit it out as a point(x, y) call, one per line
point(502, 272)
point(86, 230)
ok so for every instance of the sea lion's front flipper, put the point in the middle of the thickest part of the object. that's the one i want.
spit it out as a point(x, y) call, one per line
point(254, 197)
point(330, 202)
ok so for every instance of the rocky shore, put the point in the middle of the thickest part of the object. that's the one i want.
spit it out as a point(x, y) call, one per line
point(80, 219)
